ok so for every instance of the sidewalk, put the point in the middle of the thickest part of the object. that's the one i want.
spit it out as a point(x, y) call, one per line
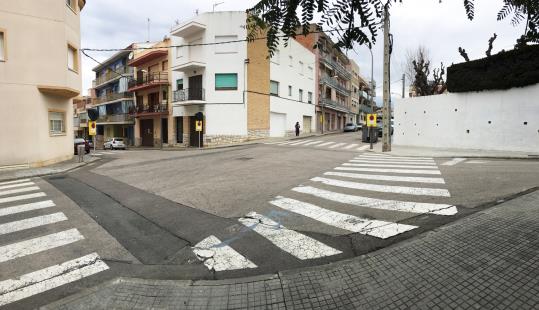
point(11, 174)
point(489, 260)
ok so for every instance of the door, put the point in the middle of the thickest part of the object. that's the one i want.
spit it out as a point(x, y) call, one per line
point(146, 132)
point(179, 129)
point(278, 124)
point(307, 124)
point(164, 130)
point(195, 87)
point(195, 136)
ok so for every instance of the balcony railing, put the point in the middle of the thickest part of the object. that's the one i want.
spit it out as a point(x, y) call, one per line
point(336, 66)
point(113, 97)
point(110, 75)
point(332, 82)
point(334, 104)
point(115, 118)
point(189, 94)
point(149, 78)
point(150, 108)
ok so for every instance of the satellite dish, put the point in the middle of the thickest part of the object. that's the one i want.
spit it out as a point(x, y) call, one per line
point(131, 55)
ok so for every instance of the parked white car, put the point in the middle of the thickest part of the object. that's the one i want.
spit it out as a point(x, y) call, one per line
point(114, 144)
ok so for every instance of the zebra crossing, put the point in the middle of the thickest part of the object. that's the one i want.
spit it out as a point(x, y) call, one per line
point(16, 200)
point(407, 177)
point(330, 145)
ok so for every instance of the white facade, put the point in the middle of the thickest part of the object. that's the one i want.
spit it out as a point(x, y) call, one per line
point(504, 120)
point(293, 67)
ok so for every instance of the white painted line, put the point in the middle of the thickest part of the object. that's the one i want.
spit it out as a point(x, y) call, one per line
point(19, 190)
point(377, 155)
point(389, 170)
point(378, 158)
point(386, 177)
point(392, 205)
point(27, 207)
point(22, 197)
point(314, 142)
point(39, 244)
point(363, 148)
point(301, 142)
point(51, 277)
point(476, 162)
point(325, 144)
point(337, 145)
point(16, 181)
point(375, 228)
point(418, 191)
point(350, 146)
point(287, 142)
point(389, 166)
point(218, 256)
point(32, 222)
point(375, 161)
point(299, 245)
point(453, 161)
point(97, 154)
point(16, 185)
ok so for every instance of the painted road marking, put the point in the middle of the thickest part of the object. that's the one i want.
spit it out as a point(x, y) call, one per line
point(337, 145)
point(325, 144)
point(51, 277)
point(386, 159)
point(350, 146)
point(363, 148)
point(389, 170)
point(377, 155)
point(392, 205)
point(387, 177)
point(97, 154)
point(453, 161)
point(418, 191)
point(16, 181)
point(299, 245)
point(476, 162)
point(16, 185)
point(32, 222)
point(300, 142)
point(314, 142)
point(39, 244)
point(375, 161)
point(218, 256)
point(19, 190)
point(27, 207)
point(22, 197)
point(375, 228)
point(389, 166)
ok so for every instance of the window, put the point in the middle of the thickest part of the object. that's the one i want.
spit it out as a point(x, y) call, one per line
point(226, 81)
point(179, 51)
point(301, 95)
point(56, 123)
point(275, 57)
point(289, 90)
point(72, 58)
point(164, 65)
point(274, 88)
point(291, 59)
point(309, 97)
point(310, 72)
point(301, 67)
point(229, 48)
point(71, 4)
point(2, 46)
point(179, 84)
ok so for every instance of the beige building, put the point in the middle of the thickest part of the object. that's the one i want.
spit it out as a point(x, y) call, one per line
point(39, 76)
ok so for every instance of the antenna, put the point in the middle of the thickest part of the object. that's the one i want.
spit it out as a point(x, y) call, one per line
point(216, 4)
point(196, 12)
point(148, 30)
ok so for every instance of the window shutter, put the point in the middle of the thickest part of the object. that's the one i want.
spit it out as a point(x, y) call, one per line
point(226, 81)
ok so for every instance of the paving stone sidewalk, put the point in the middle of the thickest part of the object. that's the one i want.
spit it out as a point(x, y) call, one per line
point(489, 260)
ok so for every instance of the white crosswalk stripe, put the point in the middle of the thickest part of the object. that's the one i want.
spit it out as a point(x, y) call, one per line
point(381, 162)
point(16, 185)
point(10, 227)
point(377, 155)
point(418, 191)
point(219, 256)
point(27, 207)
point(389, 166)
point(379, 177)
point(299, 245)
point(51, 277)
point(404, 160)
point(19, 190)
point(301, 142)
point(22, 197)
point(325, 144)
point(314, 142)
point(375, 228)
point(453, 162)
point(337, 145)
point(389, 170)
point(363, 148)
point(16, 181)
point(350, 146)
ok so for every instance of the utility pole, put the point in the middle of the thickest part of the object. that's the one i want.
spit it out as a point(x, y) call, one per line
point(386, 110)
point(148, 30)
point(403, 82)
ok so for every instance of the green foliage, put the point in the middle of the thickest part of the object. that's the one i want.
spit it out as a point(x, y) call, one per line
point(515, 68)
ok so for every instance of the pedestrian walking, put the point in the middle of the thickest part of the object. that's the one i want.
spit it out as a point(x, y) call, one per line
point(297, 128)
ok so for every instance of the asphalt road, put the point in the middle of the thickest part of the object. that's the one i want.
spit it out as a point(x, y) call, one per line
point(256, 209)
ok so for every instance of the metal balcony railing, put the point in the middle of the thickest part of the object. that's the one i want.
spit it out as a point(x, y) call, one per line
point(332, 82)
point(334, 104)
point(115, 118)
point(111, 75)
point(189, 94)
point(336, 66)
point(150, 108)
point(149, 78)
point(113, 97)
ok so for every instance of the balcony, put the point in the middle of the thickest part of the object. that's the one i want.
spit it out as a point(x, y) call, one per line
point(190, 96)
point(148, 80)
point(115, 119)
point(340, 69)
point(109, 98)
point(112, 76)
point(334, 105)
point(149, 109)
point(187, 29)
point(333, 83)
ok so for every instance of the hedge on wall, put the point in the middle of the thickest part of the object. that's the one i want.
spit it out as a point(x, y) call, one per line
point(515, 68)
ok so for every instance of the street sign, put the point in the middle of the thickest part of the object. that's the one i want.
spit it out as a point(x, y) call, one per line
point(371, 120)
point(92, 128)
point(198, 126)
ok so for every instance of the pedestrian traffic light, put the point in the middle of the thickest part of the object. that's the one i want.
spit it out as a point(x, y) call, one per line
point(93, 115)
point(199, 116)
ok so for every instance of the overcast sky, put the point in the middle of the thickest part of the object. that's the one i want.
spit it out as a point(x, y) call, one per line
point(441, 27)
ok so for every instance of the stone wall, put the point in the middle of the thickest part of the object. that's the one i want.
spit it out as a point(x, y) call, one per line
point(215, 140)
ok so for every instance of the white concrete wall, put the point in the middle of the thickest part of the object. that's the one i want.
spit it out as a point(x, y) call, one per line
point(444, 120)
point(291, 75)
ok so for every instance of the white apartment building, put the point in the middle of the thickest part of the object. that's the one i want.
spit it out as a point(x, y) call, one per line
point(239, 91)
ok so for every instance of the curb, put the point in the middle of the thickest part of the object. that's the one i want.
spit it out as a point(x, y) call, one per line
point(50, 173)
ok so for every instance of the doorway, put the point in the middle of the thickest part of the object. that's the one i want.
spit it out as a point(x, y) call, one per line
point(195, 87)
point(164, 130)
point(146, 132)
point(195, 136)
point(179, 129)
